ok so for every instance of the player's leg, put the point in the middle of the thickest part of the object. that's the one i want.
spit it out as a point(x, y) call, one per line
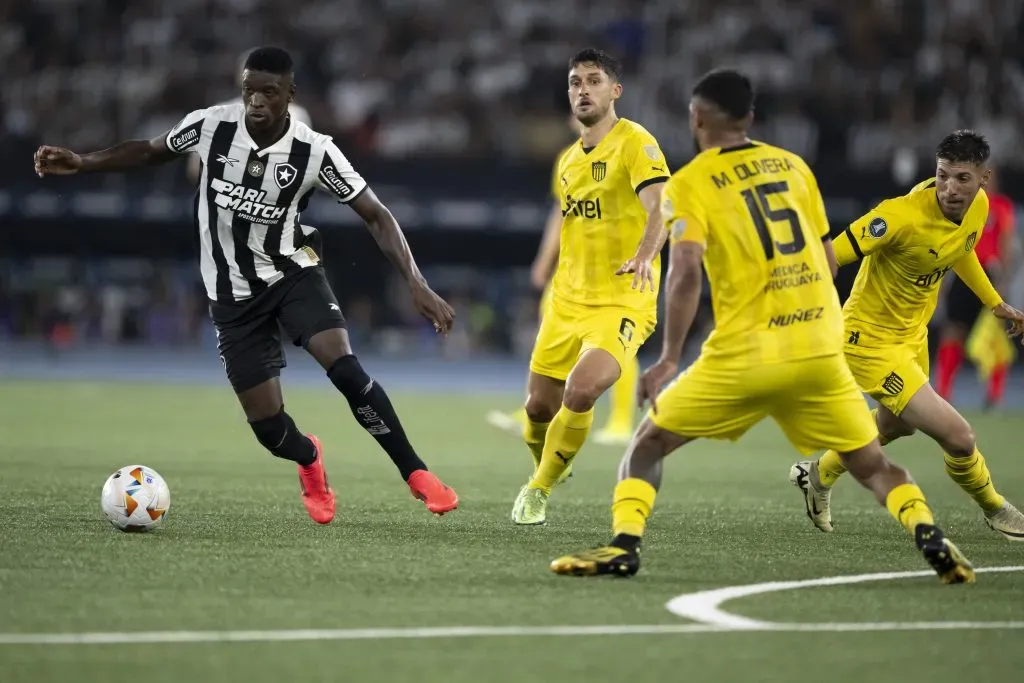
point(618, 430)
point(543, 397)
point(965, 464)
point(250, 348)
point(609, 338)
point(830, 465)
point(554, 354)
point(823, 407)
point(312, 317)
point(896, 491)
point(700, 403)
point(887, 376)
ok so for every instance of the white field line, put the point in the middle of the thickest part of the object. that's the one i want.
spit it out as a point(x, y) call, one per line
point(704, 607)
point(701, 606)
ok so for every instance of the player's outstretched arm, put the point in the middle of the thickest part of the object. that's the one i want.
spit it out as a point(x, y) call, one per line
point(682, 299)
point(641, 265)
point(131, 154)
point(385, 230)
point(969, 269)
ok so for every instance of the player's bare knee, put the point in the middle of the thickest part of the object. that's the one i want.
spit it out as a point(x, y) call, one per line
point(960, 443)
point(540, 408)
point(581, 394)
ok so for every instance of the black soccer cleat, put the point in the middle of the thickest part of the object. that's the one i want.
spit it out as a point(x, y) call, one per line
point(600, 561)
point(944, 557)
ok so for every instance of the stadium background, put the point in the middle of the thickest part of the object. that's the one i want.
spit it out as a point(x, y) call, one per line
point(454, 114)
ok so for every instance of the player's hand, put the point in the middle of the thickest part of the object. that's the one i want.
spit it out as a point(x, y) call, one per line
point(653, 379)
point(433, 308)
point(56, 161)
point(643, 272)
point(1005, 311)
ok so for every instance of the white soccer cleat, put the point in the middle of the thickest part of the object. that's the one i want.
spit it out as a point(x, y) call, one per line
point(1007, 520)
point(804, 475)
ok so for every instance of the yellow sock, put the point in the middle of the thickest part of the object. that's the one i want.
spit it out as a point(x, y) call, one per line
point(830, 468)
point(622, 398)
point(533, 435)
point(631, 506)
point(972, 475)
point(564, 439)
point(907, 504)
point(830, 465)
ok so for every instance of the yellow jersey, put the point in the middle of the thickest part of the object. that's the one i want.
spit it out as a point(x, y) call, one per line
point(603, 220)
point(759, 214)
point(907, 246)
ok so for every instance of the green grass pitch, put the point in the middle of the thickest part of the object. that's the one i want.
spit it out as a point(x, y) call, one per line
point(238, 553)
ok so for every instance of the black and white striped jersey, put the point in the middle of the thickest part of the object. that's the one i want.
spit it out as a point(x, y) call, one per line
point(249, 200)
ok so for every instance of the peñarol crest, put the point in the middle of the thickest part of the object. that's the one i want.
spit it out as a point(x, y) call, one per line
point(971, 240)
point(598, 169)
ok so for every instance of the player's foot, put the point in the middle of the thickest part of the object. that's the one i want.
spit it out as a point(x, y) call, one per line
point(598, 561)
point(945, 558)
point(1007, 520)
point(614, 436)
point(531, 507)
point(506, 422)
point(804, 475)
point(435, 494)
point(317, 495)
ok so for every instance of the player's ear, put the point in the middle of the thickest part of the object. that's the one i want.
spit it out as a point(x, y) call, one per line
point(291, 92)
point(986, 176)
point(616, 91)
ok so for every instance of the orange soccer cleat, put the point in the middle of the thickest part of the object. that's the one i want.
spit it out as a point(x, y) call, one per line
point(435, 494)
point(317, 495)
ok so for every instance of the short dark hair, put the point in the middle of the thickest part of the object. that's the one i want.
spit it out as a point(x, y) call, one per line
point(729, 90)
point(273, 60)
point(605, 61)
point(965, 147)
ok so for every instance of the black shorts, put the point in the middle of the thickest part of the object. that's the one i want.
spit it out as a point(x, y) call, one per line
point(962, 306)
point(249, 332)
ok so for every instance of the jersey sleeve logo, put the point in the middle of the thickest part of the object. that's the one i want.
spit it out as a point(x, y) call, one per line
point(598, 170)
point(188, 138)
point(877, 227)
point(652, 152)
point(972, 239)
point(284, 175)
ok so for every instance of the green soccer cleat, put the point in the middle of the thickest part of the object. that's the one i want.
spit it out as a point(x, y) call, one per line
point(531, 507)
point(597, 562)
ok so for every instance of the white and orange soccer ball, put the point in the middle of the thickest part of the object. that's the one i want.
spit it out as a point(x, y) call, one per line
point(135, 498)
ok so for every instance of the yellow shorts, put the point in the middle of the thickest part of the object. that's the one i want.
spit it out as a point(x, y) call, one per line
point(567, 330)
point(890, 374)
point(816, 402)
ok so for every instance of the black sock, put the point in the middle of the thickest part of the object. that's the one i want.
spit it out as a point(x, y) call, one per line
point(373, 410)
point(627, 542)
point(280, 436)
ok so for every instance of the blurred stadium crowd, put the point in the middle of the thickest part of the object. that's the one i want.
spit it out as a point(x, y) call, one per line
point(856, 80)
point(865, 84)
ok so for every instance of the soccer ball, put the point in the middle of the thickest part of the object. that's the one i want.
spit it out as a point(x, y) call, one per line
point(135, 498)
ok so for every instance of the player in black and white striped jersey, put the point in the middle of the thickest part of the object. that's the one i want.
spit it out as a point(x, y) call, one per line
point(262, 268)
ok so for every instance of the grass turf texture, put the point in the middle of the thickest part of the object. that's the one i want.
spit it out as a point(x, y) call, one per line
point(238, 551)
